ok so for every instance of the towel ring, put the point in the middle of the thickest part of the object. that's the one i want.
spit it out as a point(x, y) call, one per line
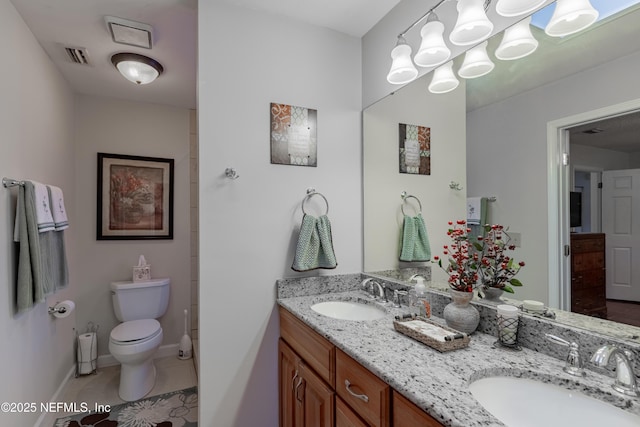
point(310, 193)
point(406, 196)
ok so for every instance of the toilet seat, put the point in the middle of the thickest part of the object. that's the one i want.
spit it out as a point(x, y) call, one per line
point(135, 332)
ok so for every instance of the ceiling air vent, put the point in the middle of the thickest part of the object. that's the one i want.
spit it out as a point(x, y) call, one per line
point(78, 55)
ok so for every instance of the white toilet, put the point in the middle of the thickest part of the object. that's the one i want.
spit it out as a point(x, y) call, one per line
point(134, 342)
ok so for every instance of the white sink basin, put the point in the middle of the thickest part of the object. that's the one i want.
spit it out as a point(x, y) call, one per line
point(522, 402)
point(348, 310)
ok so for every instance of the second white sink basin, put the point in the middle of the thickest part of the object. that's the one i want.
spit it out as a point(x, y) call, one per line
point(348, 310)
point(522, 402)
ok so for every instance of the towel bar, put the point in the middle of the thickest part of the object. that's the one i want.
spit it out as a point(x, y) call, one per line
point(406, 196)
point(10, 182)
point(310, 193)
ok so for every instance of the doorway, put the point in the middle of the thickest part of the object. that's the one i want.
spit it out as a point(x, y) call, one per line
point(562, 179)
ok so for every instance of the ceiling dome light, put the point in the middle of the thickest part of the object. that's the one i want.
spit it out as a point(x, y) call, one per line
point(476, 62)
point(433, 51)
point(517, 41)
point(510, 8)
point(402, 69)
point(571, 16)
point(472, 25)
point(443, 79)
point(136, 68)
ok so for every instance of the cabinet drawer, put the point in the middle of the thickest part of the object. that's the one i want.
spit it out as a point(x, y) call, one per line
point(316, 351)
point(587, 244)
point(345, 417)
point(361, 390)
point(406, 414)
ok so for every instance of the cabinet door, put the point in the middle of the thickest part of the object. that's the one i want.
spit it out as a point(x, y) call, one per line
point(317, 399)
point(345, 417)
point(288, 379)
point(406, 414)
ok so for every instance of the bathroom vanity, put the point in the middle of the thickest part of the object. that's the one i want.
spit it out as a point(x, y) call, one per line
point(339, 373)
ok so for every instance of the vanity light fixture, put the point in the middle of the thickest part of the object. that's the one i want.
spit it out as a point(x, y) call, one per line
point(433, 50)
point(571, 16)
point(517, 41)
point(472, 25)
point(402, 68)
point(476, 62)
point(443, 79)
point(137, 68)
point(511, 8)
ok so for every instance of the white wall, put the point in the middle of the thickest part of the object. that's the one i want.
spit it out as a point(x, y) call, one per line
point(36, 119)
point(248, 226)
point(507, 154)
point(582, 155)
point(124, 127)
point(445, 115)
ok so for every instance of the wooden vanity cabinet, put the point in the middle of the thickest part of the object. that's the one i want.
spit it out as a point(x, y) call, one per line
point(588, 283)
point(321, 386)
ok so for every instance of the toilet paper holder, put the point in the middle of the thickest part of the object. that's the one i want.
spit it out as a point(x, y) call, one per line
point(61, 308)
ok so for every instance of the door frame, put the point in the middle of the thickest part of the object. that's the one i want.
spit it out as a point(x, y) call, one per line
point(558, 181)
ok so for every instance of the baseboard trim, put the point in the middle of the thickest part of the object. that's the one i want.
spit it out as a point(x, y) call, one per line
point(54, 398)
point(164, 351)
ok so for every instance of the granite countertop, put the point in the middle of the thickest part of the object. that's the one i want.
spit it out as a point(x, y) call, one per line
point(438, 382)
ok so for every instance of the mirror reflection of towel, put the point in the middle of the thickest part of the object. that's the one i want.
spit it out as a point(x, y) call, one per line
point(315, 245)
point(415, 241)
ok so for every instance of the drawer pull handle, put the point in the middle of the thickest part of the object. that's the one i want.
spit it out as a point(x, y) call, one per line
point(362, 397)
point(293, 380)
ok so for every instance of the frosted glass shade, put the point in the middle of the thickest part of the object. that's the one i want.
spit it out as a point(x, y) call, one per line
point(511, 8)
point(476, 62)
point(402, 69)
point(571, 16)
point(443, 79)
point(517, 41)
point(433, 51)
point(138, 69)
point(472, 25)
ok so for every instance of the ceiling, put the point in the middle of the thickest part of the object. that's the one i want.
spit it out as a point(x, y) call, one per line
point(80, 24)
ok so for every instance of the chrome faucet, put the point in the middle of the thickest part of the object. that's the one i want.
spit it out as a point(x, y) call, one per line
point(370, 285)
point(416, 276)
point(625, 382)
point(573, 365)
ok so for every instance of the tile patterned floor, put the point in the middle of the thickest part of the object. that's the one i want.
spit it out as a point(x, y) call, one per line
point(102, 388)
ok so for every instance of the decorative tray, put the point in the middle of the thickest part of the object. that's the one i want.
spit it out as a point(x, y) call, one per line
point(428, 332)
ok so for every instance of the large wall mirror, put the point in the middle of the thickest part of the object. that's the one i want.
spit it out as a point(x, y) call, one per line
point(491, 136)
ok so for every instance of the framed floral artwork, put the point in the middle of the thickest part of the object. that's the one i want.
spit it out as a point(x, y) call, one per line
point(415, 149)
point(135, 197)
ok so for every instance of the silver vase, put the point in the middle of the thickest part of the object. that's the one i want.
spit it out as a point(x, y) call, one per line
point(459, 314)
point(493, 294)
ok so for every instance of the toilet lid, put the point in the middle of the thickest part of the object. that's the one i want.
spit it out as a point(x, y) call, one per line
point(135, 330)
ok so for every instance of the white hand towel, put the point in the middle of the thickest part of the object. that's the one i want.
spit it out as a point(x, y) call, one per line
point(473, 210)
point(58, 210)
point(44, 218)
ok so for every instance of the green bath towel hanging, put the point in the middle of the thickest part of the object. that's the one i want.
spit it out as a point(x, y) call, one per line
point(415, 241)
point(315, 246)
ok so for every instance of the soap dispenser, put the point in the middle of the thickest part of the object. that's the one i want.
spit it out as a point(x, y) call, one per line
point(420, 287)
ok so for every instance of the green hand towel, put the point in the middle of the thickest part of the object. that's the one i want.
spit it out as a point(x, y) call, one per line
point(315, 246)
point(415, 241)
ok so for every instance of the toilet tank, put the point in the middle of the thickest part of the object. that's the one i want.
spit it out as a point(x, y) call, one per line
point(140, 300)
